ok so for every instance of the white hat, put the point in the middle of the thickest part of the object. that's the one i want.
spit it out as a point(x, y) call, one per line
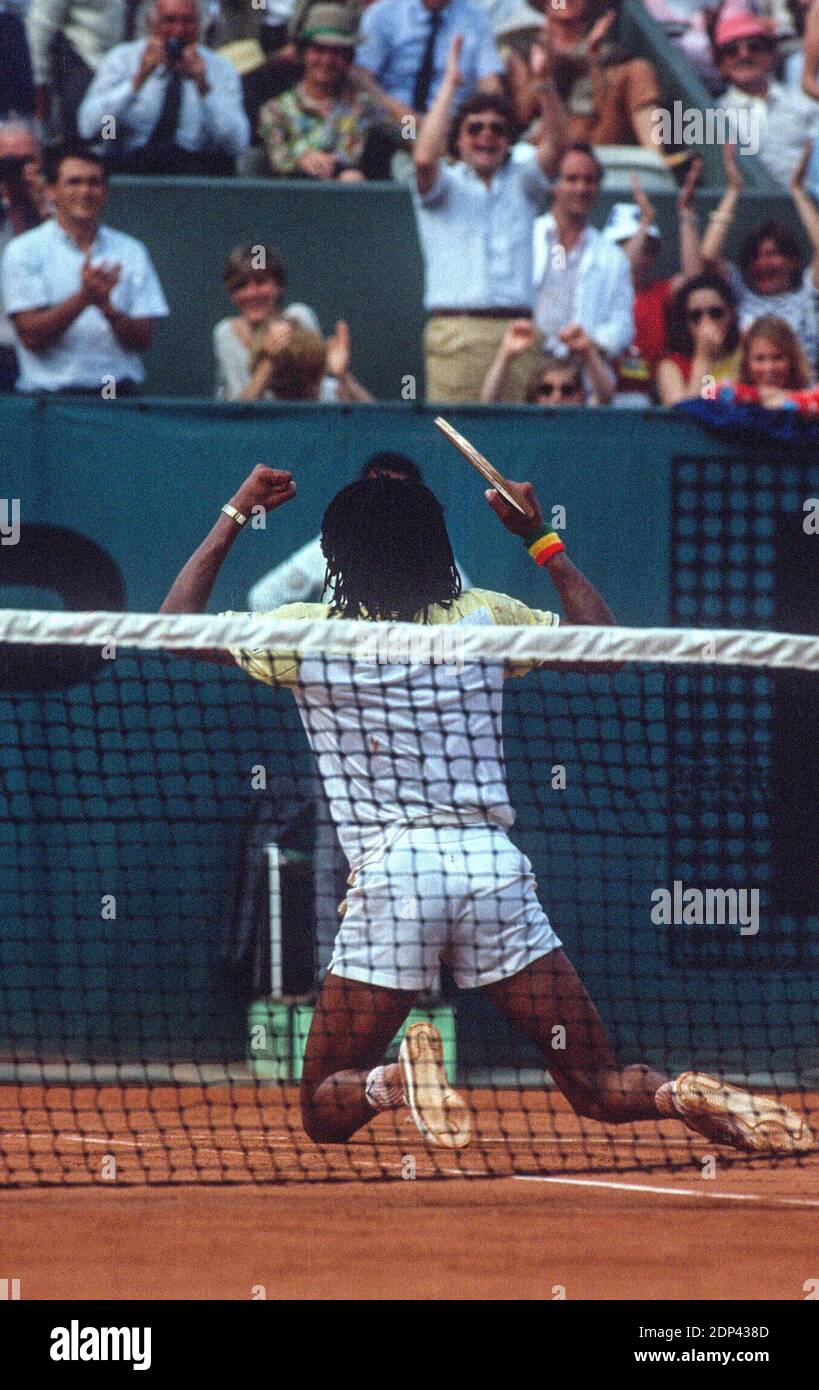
point(624, 222)
point(523, 20)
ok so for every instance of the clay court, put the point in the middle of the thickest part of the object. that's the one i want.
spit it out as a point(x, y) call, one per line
point(214, 1198)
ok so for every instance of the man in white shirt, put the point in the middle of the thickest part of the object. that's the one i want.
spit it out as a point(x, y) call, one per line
point(475, 221)
point(68, 40)
point(300, 578)
point(84, 299)
point(772, 121)
point(164, 105)
point(580, 278)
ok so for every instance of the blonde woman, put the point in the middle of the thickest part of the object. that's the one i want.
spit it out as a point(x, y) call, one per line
point(773, 369)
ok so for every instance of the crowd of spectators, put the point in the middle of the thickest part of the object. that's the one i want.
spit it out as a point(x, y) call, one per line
point(498, 115)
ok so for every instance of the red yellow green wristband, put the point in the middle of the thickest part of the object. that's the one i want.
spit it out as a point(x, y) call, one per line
point(543, 544)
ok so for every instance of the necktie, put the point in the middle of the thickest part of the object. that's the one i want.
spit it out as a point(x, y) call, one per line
point(162, 135)
point(129, 26)
point(426, 72)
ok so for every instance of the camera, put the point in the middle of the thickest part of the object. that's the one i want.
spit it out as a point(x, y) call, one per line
point(174, 48)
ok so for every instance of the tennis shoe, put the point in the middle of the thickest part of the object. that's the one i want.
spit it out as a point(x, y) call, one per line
point(728, 1115)
point(440, 1114)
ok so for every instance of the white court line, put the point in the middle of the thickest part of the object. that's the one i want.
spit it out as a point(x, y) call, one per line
point(138, 1144)
point(280, 1137)
point(573, 1140)
point(366, 1161)
point(671, 1191)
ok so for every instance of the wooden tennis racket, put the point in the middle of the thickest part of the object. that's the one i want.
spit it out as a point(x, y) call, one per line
point(487, 470)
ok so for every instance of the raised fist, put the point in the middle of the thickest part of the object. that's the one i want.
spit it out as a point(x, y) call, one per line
point(266, 487)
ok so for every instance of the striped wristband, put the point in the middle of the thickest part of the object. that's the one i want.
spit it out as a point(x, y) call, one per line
point(543, 544)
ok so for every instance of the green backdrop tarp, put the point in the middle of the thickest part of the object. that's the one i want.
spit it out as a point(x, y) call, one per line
point(145, 481)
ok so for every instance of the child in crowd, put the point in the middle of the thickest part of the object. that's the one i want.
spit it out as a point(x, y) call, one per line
point(297, 364)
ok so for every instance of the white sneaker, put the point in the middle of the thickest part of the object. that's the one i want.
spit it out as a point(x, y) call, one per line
point(440, 1114)
point(732, 1116)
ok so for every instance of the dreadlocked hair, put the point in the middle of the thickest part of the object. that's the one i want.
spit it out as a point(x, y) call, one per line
point(387, 550)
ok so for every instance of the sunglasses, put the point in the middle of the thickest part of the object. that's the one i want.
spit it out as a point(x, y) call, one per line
point(494, 127)
point(754, 46)
point(547, 389)
point(715, 313)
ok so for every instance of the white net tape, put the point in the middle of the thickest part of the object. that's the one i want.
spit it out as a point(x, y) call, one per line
point(412, 642)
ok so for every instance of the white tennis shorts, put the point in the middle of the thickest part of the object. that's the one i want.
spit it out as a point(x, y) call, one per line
point(462, 895)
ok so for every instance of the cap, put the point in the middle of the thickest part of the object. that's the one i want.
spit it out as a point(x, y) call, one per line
point(744, 25)
point(332, 25)
point(624, 222)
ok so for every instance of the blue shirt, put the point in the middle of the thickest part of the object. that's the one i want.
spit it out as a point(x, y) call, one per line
point(394, 35)
point(476, 239)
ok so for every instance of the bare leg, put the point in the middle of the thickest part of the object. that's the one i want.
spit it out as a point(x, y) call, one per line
point(352, 1026)
point(549, 993)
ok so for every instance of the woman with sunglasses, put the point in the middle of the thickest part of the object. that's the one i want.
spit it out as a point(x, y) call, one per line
point(580, 378)
point(703, 338)
point(768, 277)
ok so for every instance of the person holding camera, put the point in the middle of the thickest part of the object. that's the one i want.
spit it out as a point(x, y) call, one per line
point(23, 206)
point(165, 105)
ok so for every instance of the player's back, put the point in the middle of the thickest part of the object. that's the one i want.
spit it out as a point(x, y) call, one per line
point(404, 736)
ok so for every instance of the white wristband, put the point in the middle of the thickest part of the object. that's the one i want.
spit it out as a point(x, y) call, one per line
point(236, 516)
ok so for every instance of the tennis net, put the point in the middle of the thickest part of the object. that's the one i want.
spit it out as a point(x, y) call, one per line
point(170, 881)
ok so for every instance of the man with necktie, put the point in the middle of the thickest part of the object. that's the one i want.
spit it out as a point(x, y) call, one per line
point(165, 105)
point(404, 45)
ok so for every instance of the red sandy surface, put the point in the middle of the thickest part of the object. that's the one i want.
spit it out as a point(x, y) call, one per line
point(244, 1203)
